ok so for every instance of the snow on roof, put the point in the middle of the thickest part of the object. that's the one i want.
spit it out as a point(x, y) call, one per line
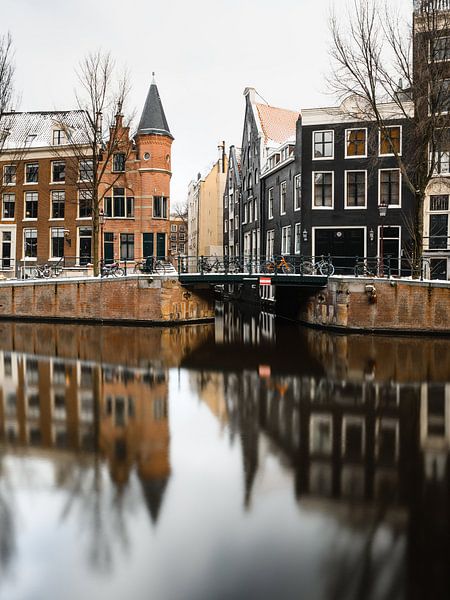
point(278, 124)
point(35, 129)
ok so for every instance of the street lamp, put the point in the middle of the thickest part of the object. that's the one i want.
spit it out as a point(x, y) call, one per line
point(382, 209)
point(101, 221)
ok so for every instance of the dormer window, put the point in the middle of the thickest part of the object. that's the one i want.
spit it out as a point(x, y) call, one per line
point(59, 137)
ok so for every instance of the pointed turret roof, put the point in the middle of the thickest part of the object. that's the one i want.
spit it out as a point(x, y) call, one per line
point(153, 120)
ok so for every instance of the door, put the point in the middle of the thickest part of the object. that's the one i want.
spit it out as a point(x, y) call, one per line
point(6, 250)
point(160, 245)
point(344, 245)
point(85, 246)
point(108, 247)
point(147, 245)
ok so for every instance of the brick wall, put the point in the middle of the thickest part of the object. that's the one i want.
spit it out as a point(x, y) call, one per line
point(132, 299)
point(363, 304)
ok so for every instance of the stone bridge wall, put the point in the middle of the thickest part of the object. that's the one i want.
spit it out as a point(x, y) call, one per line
point(133, 299)
point(371, 304)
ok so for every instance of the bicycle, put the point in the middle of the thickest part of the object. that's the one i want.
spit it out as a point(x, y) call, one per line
point(275, 266)
point(111, 270)
point(321, 267)
point(41, 271)
point(364, 269)
point(205, 266)
point(152, 265)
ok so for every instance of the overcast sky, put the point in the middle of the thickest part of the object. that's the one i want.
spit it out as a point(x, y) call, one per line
point(204, 53)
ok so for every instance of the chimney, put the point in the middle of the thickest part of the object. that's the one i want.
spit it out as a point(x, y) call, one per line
point(221, 148)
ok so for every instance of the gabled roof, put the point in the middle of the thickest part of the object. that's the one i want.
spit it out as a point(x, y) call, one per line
point(153, 120)
point(278, 124)
point(35, 129)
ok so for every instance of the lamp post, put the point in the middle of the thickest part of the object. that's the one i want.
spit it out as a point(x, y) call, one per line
point(382, 209)
point(101, 221)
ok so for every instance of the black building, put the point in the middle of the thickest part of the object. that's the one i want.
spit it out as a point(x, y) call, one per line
point(348, 171)
point(232, 205)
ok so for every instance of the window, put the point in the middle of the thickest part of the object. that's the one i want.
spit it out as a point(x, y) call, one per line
point(84, 204)
point(286, 240)
point(31, 205)
point(297, 238)
point(9, 175)
point(181, 237)
point(389, 187)
point(297, 192)
point(270, 203)
point(58, 171)
point(160, 204)
point(181, 248)
point(58, 204)
point(355, 143)
point(127, 246)
point(86, 170)
point(270, 237)
point(283, 198)
point(438, 223)
point(118, 205)
point(173, 228)
point(323, 144)
point(59, 137)
point(442, 152)
point(226, 225)
point(30, 243)
point(119, 162)
point(250, 211)
point(255, 209)
point(355, 191)
point(323, 190)
point(390, 141)
point(440, 48)
point(31, 172)
point(6, 250)
point(57, 242)
point(440, 97)
point(181, 228)
point(9, 204)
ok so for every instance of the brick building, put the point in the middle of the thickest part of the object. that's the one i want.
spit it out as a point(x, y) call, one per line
point(46, 203)
point(178, 236)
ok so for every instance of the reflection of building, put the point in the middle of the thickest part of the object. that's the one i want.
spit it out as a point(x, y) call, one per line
point(210, 389)
point(72, 405)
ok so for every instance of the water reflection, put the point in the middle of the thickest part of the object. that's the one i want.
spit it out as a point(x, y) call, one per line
point(335, 468)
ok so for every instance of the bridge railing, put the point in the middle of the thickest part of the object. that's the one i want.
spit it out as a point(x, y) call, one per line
point(323, 266)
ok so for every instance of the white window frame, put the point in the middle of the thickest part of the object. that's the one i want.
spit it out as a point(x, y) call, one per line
point(78, 206)
point(272, 241)
point(313, 144)
point(346, 206)
point(61, 182)
point(347, 131)
point(60, 229)
point(2, 214)
point(397, 261)
point(401, 140)
point(29, 258)
point(430, 42)
point(297, 237)
point(297, 192)
point(15, 175)
point(283, 184)
point(25, 182)
point(353, 420)
point(400, 183)
point(284, 236)
point(25, 194)
point(270, 203)
point(313, 206)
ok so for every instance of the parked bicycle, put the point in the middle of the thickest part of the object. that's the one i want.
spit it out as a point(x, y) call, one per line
point(208, 265)
point(152, 265)
point(280, 265)
point(111, 270)
point(320, 267)
point(41, 271)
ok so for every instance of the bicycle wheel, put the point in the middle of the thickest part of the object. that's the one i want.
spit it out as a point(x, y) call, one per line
point(35, 273)
point(137, 268)
point(307, 268)
point(159, 267)
point(119, 272)
point(326, 269)
point(46, 272)
point(268, 267)
point(288, 269)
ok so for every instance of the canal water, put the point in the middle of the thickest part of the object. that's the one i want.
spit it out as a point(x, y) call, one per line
point(250, 459)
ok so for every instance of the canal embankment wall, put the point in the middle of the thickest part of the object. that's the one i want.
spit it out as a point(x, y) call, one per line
point(133, 299)
point(378, 305)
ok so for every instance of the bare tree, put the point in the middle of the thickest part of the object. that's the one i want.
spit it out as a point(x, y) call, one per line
point(6, 89)
point(180, 211)
point(100, 135)
point(379, 59)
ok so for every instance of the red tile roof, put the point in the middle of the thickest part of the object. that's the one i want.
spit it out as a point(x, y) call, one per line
point(278, 124)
